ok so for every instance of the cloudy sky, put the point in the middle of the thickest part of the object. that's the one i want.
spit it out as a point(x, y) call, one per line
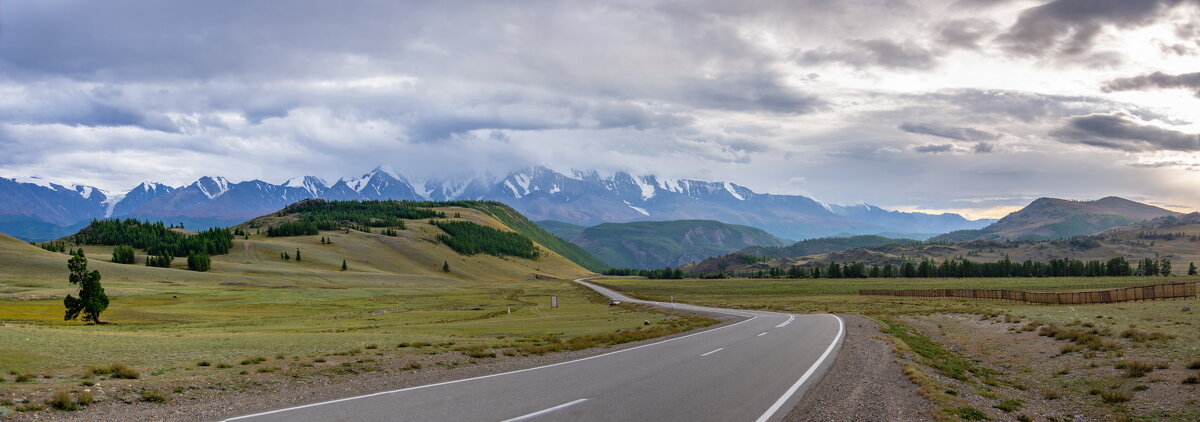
point(974, 106)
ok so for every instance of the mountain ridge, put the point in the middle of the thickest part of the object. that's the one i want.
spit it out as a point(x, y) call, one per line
point(580, 197)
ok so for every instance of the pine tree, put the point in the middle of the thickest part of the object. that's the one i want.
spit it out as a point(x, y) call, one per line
point(343, 265)
point(92, 300)
point(1192, 268)
point(445, 266)
point(297, 254)
point(1164, 268)
point(287, 257)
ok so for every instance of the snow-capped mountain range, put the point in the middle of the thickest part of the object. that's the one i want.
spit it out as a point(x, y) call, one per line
point(34, 209)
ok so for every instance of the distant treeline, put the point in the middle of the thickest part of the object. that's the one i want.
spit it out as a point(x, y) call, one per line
point(154, 238)
point(667, 273)
point(334, 215)
point(949, 268)
point(468, 238)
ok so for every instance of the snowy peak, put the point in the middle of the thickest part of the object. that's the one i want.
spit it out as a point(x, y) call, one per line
point(313, 185)
point(212, 187)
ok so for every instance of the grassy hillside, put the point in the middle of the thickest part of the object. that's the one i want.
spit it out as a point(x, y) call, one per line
point(657, 244)
point(1052, 218)
point(825, 245)
point(566, 231)
point(254, 303)
point(520, 224)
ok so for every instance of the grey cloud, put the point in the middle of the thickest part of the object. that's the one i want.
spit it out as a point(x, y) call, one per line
point(948, 132)
point(933, 148)
point(965, 33)
point(1120, 132)
point(983, 148)
point(1156, 80)
point(1070, 27)
point(872, 53)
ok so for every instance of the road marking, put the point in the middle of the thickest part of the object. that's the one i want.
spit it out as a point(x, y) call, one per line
point(497, 375)
point(544, 411)
point(788, 394)
point(714, 351)
point(762, 334)
point(785, 323)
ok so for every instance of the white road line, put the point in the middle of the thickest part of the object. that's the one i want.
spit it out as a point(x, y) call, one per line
point(788, 394)
point(544, 411)
point(762, 334)
point(492, 375)
point(714, 351)
point(785, 323)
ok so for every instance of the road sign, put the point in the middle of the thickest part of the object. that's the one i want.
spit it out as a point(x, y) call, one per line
point(553, 301)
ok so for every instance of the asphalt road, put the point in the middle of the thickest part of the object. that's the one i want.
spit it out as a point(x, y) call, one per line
point(756, 369)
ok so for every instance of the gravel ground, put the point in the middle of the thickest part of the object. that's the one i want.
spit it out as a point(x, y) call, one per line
point(864, 383)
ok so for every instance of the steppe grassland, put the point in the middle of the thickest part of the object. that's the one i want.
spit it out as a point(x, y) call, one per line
point(253, 303)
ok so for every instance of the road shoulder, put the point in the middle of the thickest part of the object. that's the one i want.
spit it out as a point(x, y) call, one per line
point(864, 383)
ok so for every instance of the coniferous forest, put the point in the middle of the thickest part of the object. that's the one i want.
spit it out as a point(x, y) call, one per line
point(468, 238)
point(334, 215)
point(154, 238)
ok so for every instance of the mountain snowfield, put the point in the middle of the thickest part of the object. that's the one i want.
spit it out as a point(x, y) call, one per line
point(35, 209)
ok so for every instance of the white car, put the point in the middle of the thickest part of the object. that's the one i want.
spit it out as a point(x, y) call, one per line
point(613, 302)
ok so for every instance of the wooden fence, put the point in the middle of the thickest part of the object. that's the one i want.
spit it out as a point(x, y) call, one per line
point(1160, 291)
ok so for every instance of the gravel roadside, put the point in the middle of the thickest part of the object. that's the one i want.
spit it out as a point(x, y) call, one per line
point(864, 384)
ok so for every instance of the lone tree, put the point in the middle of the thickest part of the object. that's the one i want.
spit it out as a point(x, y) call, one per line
point(1192, 268)
point(445, 266)
point(92, 300)
point(297, 254)
point(343, 265)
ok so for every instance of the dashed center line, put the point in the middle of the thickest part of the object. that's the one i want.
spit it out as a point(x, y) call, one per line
point(545, 411)
point(714, 351)
point(762, 334)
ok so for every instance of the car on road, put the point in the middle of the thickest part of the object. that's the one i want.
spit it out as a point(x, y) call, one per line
point(613, 302)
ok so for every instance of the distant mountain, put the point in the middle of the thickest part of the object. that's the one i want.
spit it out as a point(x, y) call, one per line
point(1171, 237)
point(914, 224)
point(1052, 218)
point(566, 231)
point(658, 244)
point(35, 207)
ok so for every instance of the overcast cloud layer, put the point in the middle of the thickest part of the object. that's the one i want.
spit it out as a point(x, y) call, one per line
point(964, 105)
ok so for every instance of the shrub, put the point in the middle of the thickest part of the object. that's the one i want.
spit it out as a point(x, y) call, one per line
point(61, 400)
point(413, 365)
point(1141, 337)
point(253, 360)
point(23, 378)
point(1051, 395)
point(224, 365)
point(154, 396)
point(1135, 369)
point(1114, 396)
point(1194, 365)
point(1069, 348)
point(203, 363)
point(84, 398)
point(120, 370)
point(319, 360)
point(372, 346)
point(970, 414)
point(1192, 380)
point(1009, 406)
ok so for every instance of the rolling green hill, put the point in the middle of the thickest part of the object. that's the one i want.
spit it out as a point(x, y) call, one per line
point(1052, 218)
point(657, 244)
point(566, 231)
